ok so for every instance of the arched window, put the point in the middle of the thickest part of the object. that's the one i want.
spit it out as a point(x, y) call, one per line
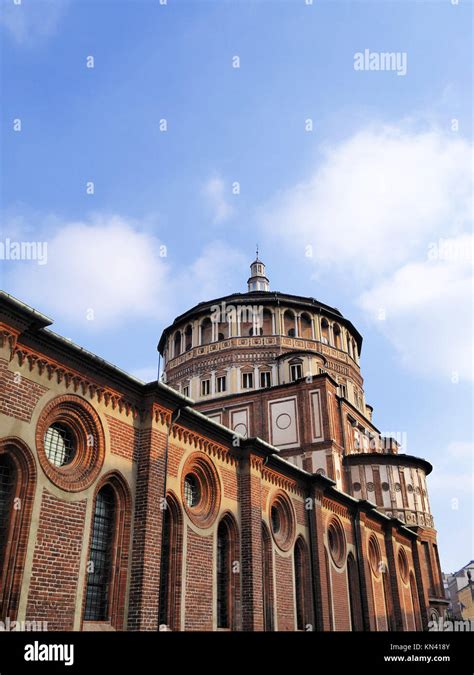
point(227, 573)
point(354, 351)
point(267, 322)
point(101, 556)
point(305, 323)
point(17, 488)
point(177, 344)
point(324, 331)
point(108, 552)
point(7, 493)
point(188, 338)
point(296, 369)
point(387, 594)
point(206, 331)
point(415, 602)
point(329, 590)
point(349, 346)
point(354, 594)
point(267, 574)
point(337, 336)
point(171, 558)
point(302, 590)
point(289, 323)
point(222, 330)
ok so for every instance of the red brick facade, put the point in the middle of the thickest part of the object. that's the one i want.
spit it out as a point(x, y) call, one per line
point(186, 568)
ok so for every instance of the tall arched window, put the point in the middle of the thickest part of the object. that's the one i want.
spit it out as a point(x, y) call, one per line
point(289, 323)
point(206, 331)
point(387, 595)
point(337, 336)
point(354, 594)
point(415, 602)
point(305, 323)
point(267, 574)
point(354, 351)
point(7, 492)
point(106, 576)
point(267, 322)
point(302, 590)
point(329, 590)
point(324, 331)
point(17, 488)
point(188, 338)
point(101, 556)
point(177, 344)
point(227, 573)
point(171, 559)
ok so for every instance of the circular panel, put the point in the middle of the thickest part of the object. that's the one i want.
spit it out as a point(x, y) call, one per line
point(356, 487)
point(192, 490)
point(397, 487)
point(410, 488)
point(60, 444)
point(282, 518)
point(200, 490)
point(70, 443)
point(375, 559)
point(283, 421)
point(337, 542)
point(370, 487)
point(403, 565)
point(321, 472)
point(241, 429)
point(385, 487)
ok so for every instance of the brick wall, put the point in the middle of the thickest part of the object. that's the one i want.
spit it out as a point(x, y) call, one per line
point(18, 395)
point(124, 438)
point(199, 608)
point(59, 542)
point(284, 570)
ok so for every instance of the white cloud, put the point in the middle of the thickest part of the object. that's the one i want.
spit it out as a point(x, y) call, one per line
point(106, 266)
point(428, 315)
point(212, 275)
point(110, 269)
point(217, 194)
point(375, 198)
point(32, 21)
point(375, 211)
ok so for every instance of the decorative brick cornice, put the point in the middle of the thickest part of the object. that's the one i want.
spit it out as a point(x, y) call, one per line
point(375, 527)
point(160, 415)
point(73, 380)
point(8, 336)
point(282, 482)
point(198, 441)
point(334, 507)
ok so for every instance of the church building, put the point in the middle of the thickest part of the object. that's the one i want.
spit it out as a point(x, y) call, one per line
point(246, 490)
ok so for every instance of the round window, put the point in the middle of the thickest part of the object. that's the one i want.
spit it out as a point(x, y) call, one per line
point(403, 565)
point(336, 542)
point(276, 521)
point(192, 491)
point(60, 445)
point(375, 558)
point(282, 519)
point(70, 443)
point(200, 489)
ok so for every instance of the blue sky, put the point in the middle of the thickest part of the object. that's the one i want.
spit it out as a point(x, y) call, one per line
point(368, 211)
